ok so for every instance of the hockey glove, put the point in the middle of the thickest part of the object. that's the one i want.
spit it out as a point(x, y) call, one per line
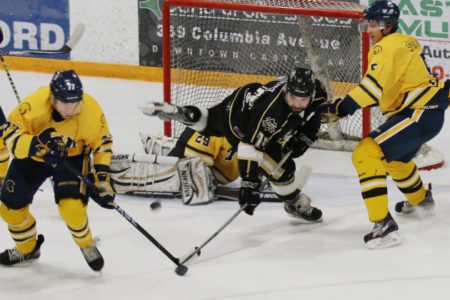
point(104, 193)
point(248, 194)
point(329, 111)
point(302, 139)
point(50, 146)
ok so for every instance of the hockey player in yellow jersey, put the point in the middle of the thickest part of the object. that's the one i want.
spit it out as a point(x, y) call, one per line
point(413, 101)
point(57, 124)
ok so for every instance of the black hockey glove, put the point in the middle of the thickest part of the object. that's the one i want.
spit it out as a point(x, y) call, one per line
point(50, 146)
point(299, 143)
point(329, 111)
point(248, 194)
point(104, 193)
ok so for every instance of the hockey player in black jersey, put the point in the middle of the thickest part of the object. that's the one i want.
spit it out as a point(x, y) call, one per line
point(263, 122)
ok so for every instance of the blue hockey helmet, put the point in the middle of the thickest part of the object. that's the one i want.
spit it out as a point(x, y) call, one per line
point(66, 86)
point(385, 12)
point(300, 82)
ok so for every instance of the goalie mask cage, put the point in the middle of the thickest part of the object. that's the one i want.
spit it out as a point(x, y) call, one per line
point(211, 47)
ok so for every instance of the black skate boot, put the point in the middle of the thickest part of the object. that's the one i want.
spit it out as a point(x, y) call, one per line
point(426, 206)
point(12, 256)
point(187, 115)
point(93, 257)
point(300, 208)
point(384, 234)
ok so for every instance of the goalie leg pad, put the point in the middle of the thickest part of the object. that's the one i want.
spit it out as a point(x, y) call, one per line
point(144, 176)
point(197, 182)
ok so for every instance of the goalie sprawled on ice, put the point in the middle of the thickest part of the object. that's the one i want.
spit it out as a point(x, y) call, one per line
point(269, 125)
point(190, 167)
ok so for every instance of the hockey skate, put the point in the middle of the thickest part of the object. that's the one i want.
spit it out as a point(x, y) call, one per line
point(166, 111)
point(93, 257)
point(12, 256)
point(301, 209)
point(384, 234)
point(426, 206)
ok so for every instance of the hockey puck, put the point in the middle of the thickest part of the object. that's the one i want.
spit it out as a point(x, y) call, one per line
point(198, 251)
point(155, 205)
point(181, 270)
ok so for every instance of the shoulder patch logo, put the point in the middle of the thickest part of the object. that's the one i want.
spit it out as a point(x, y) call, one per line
point(24, 107)
point(377, 50)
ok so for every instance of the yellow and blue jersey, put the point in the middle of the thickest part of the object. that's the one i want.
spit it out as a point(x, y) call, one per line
point(397, 77)
point(34, 114)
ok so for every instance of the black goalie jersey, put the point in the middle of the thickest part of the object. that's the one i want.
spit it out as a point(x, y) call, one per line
point(256, 117)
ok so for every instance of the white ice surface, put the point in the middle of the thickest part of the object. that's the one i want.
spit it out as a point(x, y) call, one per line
point(266, 256)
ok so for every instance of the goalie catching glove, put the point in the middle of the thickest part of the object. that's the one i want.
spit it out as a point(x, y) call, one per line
point(104, 193)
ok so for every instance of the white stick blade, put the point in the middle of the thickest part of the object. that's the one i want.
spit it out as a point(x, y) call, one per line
point(76, 35)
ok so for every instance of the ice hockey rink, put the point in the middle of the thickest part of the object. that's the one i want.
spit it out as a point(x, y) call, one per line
point(266, 256)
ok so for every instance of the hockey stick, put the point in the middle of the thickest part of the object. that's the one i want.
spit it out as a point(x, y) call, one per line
point(197, 250)
point(67, 48)
point(8, 74)
point(136, 225)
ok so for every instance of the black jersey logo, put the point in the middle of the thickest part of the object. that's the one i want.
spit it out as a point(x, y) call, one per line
point(269, 124)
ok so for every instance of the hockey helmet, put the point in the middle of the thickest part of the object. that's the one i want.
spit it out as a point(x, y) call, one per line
point(300, 82)
point(385, 12)
point(66, 86)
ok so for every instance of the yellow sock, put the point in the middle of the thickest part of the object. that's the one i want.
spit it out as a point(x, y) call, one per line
point(22, 227)
point(407, 178)
point(74, 213)
point(367, 160)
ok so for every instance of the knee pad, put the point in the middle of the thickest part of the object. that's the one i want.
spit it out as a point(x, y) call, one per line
point(367, 148)
point(14, 216)
point(73, 212)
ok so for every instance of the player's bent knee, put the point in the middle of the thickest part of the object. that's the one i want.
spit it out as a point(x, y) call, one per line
point(72, 211)
point(367, 148)
point(14, 216)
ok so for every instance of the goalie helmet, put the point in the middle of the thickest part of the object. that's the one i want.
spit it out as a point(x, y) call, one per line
point(300, 82)
point(66, 86)
point(385, 12)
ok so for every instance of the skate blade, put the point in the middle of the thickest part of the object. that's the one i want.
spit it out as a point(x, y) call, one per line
point(412, 212)
point(300, 220)
point(423, 212)
point(391, 240)
point(418, 212)
point(23, 264)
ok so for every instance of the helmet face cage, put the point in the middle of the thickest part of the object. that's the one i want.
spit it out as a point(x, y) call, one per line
point(386, 13)
point(66, 86)
point(300, 82)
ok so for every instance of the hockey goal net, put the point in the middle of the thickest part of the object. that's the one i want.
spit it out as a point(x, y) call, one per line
point(211, 47)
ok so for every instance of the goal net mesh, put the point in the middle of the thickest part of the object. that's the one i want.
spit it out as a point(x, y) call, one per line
point(216, 46)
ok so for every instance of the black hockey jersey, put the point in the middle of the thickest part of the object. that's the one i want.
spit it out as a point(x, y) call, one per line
point(258, 115)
